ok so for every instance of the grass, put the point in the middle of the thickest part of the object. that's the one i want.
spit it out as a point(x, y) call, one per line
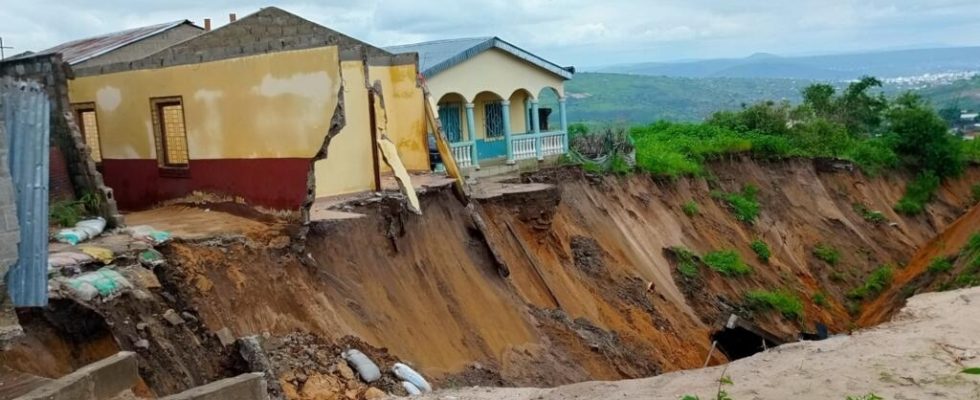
point(743, 205)
point(780, 300)
point(869, 396)
point(691, 208)
point(687, 261)
point(826, 253)
point(879, 279)
point(761, 250)
point(917, 194)
point(970, 275)
point(67, 213)
point(727, 263)
point(874, 217)
point(820, 299)
point(939, 265)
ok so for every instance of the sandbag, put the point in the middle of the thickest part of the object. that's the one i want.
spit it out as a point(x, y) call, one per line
point(99, 253)
point(68, 258)
point(406, 373)
point(83, 230)
point(366, 368)
point(148, 234)
point(411, 389)
point(104, 282)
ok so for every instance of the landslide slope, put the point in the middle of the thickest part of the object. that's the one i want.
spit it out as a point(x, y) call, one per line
point(592, 291)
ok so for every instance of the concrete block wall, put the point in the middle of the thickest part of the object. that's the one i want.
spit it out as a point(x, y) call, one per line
point(54, 74)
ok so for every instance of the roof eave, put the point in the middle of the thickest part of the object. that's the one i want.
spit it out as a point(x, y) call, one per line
point(137, 39)
point(501, 44)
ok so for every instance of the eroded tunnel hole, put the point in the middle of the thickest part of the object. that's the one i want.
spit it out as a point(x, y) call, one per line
point(739, 342)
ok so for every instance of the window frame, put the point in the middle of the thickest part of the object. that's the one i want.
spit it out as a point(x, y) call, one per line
point(157, 104)
point(78, 109)
point(496, 106)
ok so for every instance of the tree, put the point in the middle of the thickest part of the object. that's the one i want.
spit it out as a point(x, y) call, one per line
point(819, 99)
point(861, 111)
point(921, 138)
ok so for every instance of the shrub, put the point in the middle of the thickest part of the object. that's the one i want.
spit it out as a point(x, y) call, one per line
point(783, 301)
point(743, 205)
point(727, 263)
point(939, 265)
point(67, 213)
point(690, 208)
point(761, 249)
point(876, 282)
point(918, 193)
point(820, 299)
point(687, 262)
point(874, 217)
point(826, 253)
point(873, 156)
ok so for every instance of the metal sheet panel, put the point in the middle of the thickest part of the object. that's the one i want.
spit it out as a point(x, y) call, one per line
point(27, 121)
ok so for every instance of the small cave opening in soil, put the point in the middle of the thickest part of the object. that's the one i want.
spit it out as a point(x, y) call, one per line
point(738, 342)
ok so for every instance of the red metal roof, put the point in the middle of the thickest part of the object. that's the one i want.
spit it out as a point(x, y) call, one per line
point(80, 50)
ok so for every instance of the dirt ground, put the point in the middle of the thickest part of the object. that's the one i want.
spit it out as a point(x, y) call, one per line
point(919, 355)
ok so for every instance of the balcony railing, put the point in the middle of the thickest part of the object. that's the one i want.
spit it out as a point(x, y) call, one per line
point(523, 147)
point(463, 153)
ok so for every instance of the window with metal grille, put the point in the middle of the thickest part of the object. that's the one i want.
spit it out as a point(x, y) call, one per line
point(450, 120)
point(494, 119)
point(88, 124)
point(168, 122)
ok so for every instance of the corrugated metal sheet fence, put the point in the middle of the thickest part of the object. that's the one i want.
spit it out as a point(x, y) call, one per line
point(26, 117)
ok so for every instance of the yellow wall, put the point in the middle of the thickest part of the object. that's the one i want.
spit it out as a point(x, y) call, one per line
point(496, 71)
point(275, 105)
point(404, 108)
point(349, 166)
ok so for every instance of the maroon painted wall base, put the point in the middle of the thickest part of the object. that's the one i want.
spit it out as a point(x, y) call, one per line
point(278, 183)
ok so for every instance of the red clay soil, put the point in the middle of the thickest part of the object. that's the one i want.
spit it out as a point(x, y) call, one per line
point(577, 303)
point(947, 244)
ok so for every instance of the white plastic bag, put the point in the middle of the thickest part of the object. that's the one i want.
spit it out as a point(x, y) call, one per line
point(83, 230)
point(406, 373)
point(411, 389)
point(366, 368)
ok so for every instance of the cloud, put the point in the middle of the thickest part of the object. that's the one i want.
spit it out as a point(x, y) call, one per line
point(580, 32)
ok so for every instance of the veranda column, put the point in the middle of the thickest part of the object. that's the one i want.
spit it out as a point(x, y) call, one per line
point(505, 107)
point(536, 128)
point(563, 118)
point(471, 131)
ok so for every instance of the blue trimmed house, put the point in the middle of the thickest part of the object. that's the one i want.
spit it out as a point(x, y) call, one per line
point(497, 103)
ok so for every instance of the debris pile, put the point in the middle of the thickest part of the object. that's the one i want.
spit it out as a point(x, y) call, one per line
point(311, 367)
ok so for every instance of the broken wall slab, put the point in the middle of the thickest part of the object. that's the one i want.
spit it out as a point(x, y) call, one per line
point(101, 380)
point(249, 386)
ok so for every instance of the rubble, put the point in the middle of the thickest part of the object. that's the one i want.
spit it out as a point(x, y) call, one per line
point(172, 317)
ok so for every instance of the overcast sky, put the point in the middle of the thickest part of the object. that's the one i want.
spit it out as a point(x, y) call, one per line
point(569, 32)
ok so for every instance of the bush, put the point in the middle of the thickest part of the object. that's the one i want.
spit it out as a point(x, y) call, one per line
point(939, 265)
point(690, 208)
point(743, 205)
point(727, 263)
point(874, 217)
point(67, 213)
point(783, 301)
point(873, 156)
point(918, 193)
point(826, 253)
point(922, 140)
point(687, 262)
point(820, 299)
point(879, 279)
point(761, 249)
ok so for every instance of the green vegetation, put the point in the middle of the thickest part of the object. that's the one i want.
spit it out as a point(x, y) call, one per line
point(743, 204)
point(826, 253)
point(971, 371)
point(727, 263)
point(820, 299)
point(761, 249)
point(781, 300)
point(876, 282)
point(869, 215)
point(975, 193)
point(687, 262)
point(970, 275)
point(600, 150)
point(939, 265)
point(67, 213)
point(918, 193)
point(690, 208)
point(869, 396)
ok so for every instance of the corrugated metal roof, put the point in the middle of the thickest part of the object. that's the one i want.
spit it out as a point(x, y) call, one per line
point(27, 126)
point(440, 55)
point(76, 51)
